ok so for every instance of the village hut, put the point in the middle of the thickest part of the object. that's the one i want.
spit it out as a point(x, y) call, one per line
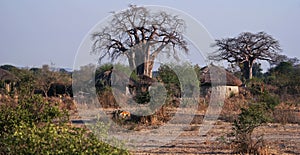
point(230, 83)
point(7, 80)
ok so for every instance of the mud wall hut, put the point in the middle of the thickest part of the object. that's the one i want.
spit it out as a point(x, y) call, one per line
point(230, 82)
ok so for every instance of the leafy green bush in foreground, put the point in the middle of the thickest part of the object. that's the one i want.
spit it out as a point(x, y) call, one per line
point(28, 128)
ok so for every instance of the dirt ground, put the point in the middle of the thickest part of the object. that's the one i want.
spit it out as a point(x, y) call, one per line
point(278, 138)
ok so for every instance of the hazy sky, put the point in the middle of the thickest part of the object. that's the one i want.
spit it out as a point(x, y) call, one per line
point(35, 32)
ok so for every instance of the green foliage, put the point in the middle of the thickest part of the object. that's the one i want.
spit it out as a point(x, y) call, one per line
point(286, 78)
point(257, 70)
point(251, 118)
point(255, 86)
point(103, 68)
point(29, 81)
point(271, 101)
point(160, 96)
point(26, 82)
point(243, 127)
point(124, 68)
point(284, 68)
point(103, 80)
point(31, 110)
point(167, 75)
point(56, 139)
point(179, 78)
point(29, 128)
point(170, 80)
point(142, 97)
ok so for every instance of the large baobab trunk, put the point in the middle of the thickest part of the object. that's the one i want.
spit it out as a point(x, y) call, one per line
point(248, 70)
point(149, 68)
point(141, 64)
point(140, 60)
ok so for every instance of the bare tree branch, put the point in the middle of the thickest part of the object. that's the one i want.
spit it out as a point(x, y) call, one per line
point(139, 34)
point(246, 49)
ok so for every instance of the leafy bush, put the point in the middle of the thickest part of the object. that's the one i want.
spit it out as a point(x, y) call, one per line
point(170, 79)
point(247, 121)
point(142, 97)
point(178, 78)
point(285, 76)
point(29, 128)
point(32, 110)
point(55, 139)
point(256, 86)
point(271, 100)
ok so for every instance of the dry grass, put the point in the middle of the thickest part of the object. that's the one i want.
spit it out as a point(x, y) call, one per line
point(286, 113)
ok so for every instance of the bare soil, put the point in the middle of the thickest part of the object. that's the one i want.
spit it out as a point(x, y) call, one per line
point(278, 138)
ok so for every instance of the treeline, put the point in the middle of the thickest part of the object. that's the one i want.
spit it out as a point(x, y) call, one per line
point(45, 81)
point(282, 79)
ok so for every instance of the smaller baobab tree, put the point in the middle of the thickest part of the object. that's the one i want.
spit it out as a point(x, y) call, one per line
point(245, 49)
point(140, 35)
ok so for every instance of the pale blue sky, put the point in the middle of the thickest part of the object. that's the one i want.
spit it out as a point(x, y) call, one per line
point(35, 32)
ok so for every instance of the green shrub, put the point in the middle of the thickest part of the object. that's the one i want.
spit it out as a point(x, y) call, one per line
point(142, 97)
point(31, 110)
point(243, 127)
point(168, 76)
point(29, 128)
point(271, 100)
point(55, 139)
point(256, 86)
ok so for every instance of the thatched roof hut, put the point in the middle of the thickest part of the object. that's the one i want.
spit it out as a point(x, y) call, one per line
point(218, 77)
point(7, 80)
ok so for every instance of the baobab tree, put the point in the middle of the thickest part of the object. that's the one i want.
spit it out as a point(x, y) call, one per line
point(140, 35)
point(245, 49)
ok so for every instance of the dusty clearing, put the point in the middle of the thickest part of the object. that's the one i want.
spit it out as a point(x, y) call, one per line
point(278, 138)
